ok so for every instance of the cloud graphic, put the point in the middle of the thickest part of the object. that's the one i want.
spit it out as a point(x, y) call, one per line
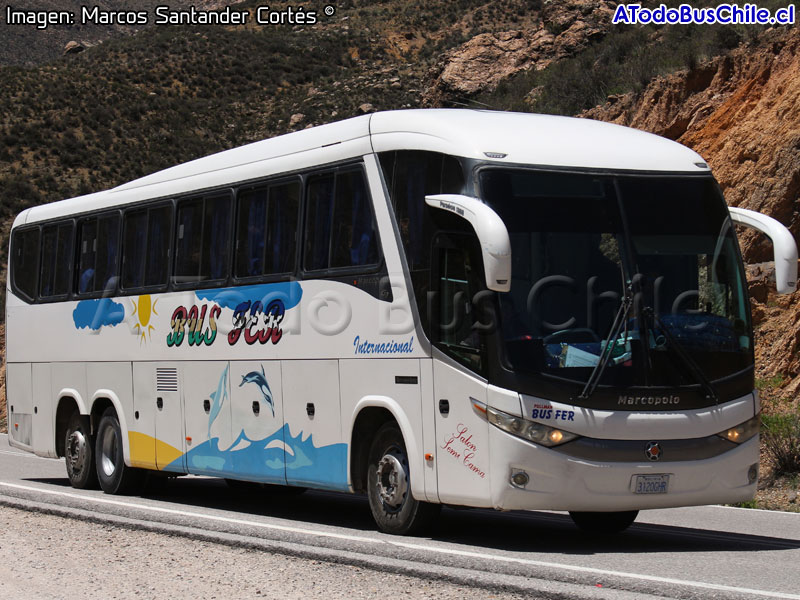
point(94, 314)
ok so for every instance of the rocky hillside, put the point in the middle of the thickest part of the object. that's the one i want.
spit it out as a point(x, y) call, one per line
point(741, 112)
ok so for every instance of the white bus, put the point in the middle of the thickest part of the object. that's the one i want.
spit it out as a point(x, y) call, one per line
point(430, 306)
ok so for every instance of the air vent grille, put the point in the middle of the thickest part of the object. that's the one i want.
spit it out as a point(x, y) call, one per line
point(167, 380)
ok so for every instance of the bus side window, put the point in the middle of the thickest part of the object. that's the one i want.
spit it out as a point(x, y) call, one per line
point(251, 233)
point(340, 228)
point(202, 235)
point(354, 241)
point(159, 227)
point(56, 264)
point(107, 254)
point(134, 243)
point(189, 238)
point(458, 272)
point(25, 253)
point(145, 247)
point(216, 234)
point(281, 234)
point(319, 216)
point(87, 249)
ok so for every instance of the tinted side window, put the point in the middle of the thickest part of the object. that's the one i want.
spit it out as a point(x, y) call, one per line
point(107, 256)
point(202, 239)
point(25, 256)
point(98, 252)
point(340, 228)
point(56, 264)
point(411, 175)
point(355, 243)
point(319, 215)
point(251, 232)
point(189, 239)
point(216, 236)
point(134, 242)
point(282, 227)
point(159, 229)
point(266, 236)
point(145, 247)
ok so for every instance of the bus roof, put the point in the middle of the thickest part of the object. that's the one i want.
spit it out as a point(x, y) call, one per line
point(512, 138)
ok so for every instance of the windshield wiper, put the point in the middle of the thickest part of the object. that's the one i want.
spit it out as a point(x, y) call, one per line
point(605, 353)
point(681, 353)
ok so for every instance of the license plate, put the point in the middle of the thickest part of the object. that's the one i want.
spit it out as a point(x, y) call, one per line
point(650, 484)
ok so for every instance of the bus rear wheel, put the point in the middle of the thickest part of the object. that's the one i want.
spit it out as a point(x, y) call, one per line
point(79, 453)
point(114, 475)
point(604, 523)
point(389, 486)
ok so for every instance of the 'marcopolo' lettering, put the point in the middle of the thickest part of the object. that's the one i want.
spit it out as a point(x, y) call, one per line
point(648, 400)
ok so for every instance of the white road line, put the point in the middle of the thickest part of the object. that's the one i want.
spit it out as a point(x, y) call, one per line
point(184, 513)
point(763, 510)
point(603, 572)
point(411, 546)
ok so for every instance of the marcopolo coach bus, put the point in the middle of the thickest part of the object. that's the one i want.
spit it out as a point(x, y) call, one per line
point(430, 306)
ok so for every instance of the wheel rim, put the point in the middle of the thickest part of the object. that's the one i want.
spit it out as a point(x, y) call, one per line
point(392, 480)
point(76, 451)
point(108, 452)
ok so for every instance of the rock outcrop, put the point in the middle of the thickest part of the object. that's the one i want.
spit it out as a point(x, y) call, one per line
point(481, 63)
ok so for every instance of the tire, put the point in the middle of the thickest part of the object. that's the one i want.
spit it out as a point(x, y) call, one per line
point(389, 486)
point(604, 523)
point(114, 475)
point(79, 453)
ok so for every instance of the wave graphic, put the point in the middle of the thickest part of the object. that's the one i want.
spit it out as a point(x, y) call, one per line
point(294, 461)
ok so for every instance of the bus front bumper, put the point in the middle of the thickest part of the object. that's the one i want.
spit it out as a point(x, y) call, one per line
point(559, 482)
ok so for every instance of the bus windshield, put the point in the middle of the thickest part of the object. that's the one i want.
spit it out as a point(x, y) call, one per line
point(656, 254)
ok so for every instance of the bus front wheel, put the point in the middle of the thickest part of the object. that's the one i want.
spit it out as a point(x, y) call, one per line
point(604, 523)
point(79, 453)
point(389, 486)
point(114, 475)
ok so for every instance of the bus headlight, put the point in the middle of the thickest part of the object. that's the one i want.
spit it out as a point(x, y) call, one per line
point(528, 430)
point(743, 432)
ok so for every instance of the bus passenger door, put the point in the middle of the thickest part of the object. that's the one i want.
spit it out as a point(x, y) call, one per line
point(315, 454)
point(257, 447)
point(462, 431)
point(207, 416)
point(156, 433)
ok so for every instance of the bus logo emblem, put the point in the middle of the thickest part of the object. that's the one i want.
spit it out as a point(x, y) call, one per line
point(653, 451)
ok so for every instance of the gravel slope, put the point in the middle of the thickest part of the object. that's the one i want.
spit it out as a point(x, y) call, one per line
point(47, 557)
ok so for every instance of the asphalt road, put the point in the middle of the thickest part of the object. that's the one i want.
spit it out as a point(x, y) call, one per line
point(699, 552)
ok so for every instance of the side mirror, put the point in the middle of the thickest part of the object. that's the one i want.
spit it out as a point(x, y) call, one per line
point(492, 235)
point(782, 242)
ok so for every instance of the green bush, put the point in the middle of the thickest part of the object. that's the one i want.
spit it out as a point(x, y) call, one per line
point(781, 437)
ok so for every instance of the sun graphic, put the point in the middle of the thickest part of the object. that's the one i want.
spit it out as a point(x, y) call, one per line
point(145, 307)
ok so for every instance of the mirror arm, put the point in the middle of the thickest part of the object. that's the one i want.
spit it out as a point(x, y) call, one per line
point(492, 235)
point(783, 243)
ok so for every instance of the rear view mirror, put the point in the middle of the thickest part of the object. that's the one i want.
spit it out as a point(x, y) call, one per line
point(492, 235)
point(782, 241)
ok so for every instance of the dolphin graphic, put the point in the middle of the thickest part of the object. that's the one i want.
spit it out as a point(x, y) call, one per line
point(218, 398)
point(260, 379)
